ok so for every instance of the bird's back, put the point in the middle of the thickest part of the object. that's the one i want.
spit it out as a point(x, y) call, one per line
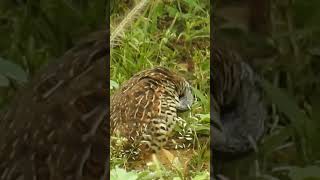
point(145, 107)
point(56, 127)
point(239, 106)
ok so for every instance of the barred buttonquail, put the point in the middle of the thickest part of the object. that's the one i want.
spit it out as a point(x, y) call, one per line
point(144, 109)
point(238, 110)
point(56, 128)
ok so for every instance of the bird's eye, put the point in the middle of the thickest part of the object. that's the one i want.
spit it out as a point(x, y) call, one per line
point(181, 95)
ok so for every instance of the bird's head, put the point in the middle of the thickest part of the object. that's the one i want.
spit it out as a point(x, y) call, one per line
point(185, 98)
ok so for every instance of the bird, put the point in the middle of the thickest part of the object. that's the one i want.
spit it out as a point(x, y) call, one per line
point(56, 126)
point(144, 110)
point(237, 106)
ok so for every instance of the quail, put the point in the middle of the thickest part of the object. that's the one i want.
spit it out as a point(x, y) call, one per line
point(56, 127)
point(237, 107)
point(144, 110)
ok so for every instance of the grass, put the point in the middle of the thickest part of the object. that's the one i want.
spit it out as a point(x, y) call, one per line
point(174, 34)
point(37, 32)
point(290, 149)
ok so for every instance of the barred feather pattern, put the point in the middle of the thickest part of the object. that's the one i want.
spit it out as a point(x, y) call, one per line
point(56, 126)
point(238, 109)
point(144, 109)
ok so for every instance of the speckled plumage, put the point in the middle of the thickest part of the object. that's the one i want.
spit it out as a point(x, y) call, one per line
point(238, 109)
point(144, 109)
point(56, 127)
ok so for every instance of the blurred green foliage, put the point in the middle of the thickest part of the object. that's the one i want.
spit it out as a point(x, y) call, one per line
point(34, 32)
point(288, 60)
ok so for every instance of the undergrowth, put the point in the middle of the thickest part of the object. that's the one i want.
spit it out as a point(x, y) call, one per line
point(288, 60)
point(35, 32)
point(173, 34)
